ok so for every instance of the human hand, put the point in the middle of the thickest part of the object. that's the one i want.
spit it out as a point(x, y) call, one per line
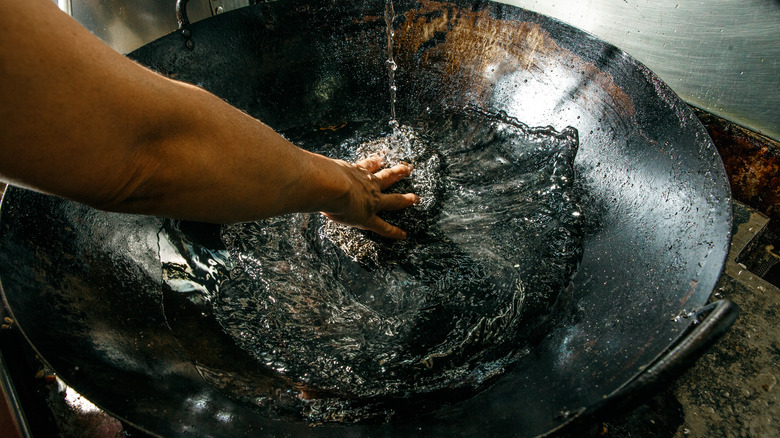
point(359, 208)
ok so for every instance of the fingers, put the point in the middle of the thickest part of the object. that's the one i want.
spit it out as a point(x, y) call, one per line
point(384, 229)
point(394, 201)
point(376, 225)
point(371, 164)
point(397, 201)
point(390, 176)
point(363, 213)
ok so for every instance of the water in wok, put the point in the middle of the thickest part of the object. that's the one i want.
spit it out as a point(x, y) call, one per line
point(368, 327)
point(162, 348)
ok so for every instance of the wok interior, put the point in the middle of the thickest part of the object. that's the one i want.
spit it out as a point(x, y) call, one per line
point(85, 285)
point(373, 330)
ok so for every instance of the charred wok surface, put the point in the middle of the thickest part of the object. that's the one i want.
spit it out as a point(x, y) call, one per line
point(654, 186)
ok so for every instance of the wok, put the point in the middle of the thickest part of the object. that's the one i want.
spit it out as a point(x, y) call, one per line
point(85, 285)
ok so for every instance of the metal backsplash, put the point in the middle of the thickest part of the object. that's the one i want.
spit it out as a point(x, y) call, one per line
point(128, 24)
point(720, 55)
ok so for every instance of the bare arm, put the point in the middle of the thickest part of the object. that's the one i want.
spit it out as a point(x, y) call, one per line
point(81, 121)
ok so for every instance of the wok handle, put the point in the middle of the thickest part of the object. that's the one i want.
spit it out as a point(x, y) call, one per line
point(711, 322)
point(181, 14)
point(184, 23)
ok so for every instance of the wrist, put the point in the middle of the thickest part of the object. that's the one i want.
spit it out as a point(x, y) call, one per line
point(331, 185)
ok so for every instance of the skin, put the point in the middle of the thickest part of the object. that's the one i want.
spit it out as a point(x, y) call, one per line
point(81, 121)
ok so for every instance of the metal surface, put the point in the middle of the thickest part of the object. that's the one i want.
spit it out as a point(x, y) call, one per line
point(722, 56)
point(125, 26)
point(85, 285)
point(752, 164)
point(18, 422)
point(181, 14)
point(217, 6)
point(64, 5)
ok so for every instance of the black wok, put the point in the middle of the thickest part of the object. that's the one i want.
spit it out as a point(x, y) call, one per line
point(85, 286)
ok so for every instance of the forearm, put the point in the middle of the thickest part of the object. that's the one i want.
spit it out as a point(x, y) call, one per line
point(222, 165)
point(84, 122)
point(89, 124)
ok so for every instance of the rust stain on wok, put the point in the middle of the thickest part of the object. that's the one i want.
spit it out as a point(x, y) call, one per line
point(752, 163)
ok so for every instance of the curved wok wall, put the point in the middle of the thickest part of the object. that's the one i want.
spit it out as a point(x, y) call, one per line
point(722, 56)
point(656, 195)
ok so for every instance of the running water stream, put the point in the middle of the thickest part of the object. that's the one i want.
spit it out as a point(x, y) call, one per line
point(391, 65)
point(366, 329)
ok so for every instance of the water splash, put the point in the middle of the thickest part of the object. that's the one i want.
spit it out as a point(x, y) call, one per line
point(379, 327)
